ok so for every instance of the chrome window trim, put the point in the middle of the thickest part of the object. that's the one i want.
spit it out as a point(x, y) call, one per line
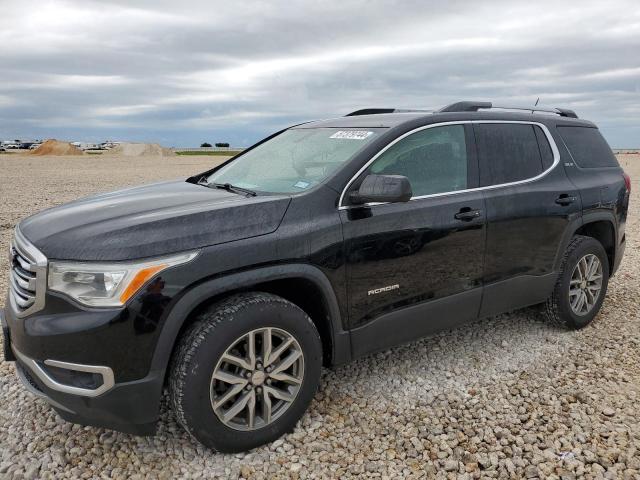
point(105, 372)
point(552, 143)
point(38, 266)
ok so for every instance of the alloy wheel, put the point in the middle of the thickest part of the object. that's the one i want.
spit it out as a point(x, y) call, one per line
point(585, 285)
point(257, 378)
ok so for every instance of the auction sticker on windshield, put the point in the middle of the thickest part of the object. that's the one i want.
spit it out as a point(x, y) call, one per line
point(352, 134)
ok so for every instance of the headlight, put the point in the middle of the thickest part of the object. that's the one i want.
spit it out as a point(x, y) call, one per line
point(107, 284)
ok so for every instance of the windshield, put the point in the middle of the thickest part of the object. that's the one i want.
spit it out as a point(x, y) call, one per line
point(295, 160)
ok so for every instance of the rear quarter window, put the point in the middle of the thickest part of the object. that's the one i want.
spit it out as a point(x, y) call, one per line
point(588, 147)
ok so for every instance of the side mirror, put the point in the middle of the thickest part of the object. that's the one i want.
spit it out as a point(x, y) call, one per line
point(383, 188)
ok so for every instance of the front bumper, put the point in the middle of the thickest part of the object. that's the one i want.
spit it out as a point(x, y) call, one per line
point(129, 406)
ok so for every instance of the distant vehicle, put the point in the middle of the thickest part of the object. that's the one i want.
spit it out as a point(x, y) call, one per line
point(88, 146)
point(34, 146)
point(10, 144)
point(18, 144)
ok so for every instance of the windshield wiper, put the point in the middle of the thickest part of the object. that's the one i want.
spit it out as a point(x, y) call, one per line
point(232, 188)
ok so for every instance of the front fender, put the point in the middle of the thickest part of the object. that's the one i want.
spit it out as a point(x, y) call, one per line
point(201, 292)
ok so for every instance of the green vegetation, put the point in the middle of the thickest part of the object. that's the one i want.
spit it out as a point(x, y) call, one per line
point(217, 153)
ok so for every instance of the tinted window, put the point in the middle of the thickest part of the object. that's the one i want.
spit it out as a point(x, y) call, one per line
point(507, 152)
point(434, 160)
point(588, 147)
point(545, 149)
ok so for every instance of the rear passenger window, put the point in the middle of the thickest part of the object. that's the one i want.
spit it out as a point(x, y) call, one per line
point(434, 160)
point(588, 147)
point(545, 149)
point(508, 152)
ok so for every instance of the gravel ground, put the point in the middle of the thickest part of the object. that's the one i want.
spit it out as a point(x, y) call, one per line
point(505, 397)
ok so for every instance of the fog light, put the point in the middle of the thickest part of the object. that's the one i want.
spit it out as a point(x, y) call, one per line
point(74, 378)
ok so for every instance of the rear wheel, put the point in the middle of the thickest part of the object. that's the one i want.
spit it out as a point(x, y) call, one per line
point(581, 285)
point(245, 372)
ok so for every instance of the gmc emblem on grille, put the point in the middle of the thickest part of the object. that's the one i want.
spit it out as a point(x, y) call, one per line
point(388, 288)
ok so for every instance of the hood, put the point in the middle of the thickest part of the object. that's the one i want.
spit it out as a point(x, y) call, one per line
point(151, 220)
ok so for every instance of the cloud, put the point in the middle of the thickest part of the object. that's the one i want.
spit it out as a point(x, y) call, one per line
point(184, 72)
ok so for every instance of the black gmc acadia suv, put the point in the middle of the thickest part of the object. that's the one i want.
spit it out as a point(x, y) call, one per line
point(324, 242)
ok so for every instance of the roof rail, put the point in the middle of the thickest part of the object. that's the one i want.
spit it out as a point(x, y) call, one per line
point(565, 112)
point(475, 106)
point(374, 111)
point(465, 107)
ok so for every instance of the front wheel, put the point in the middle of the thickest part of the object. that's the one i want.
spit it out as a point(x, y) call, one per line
point(581, 285)
point(245, 371)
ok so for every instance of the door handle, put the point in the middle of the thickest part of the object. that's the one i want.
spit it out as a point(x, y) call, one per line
point(466, 214)
point(565, 199)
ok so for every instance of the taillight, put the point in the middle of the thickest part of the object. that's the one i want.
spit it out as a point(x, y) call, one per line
point(627, 181)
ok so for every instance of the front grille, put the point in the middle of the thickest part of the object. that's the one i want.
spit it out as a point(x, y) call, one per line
point(22, 280)
point(27, 278)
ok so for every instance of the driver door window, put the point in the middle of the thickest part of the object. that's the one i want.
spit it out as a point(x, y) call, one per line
point(434, 160)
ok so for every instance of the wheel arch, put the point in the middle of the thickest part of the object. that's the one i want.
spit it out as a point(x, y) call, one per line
point(302, 284)
point(598, 225)
point(604, 231)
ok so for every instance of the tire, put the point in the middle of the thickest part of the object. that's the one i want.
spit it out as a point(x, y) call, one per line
point(558, 307)
point(224, 331)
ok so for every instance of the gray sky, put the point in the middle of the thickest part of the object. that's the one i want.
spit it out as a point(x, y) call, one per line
point(182, 72)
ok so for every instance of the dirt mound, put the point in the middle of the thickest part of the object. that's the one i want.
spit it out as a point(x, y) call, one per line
point(54, 147)
point(140, 150)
